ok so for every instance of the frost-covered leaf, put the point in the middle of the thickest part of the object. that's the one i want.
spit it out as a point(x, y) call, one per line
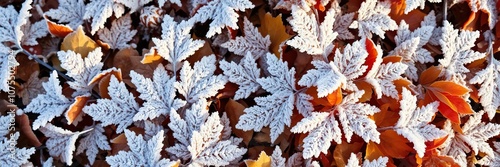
point(382, 80)
point(492, 160)
point(409, 45)
point(326, 76)
point(323, 128)
point(33, 31)
point(159, 94)
point(119, 35)
point(353, 161)
point(10, 26)
point(82, 70)
point(61, 142)
point(69, 11)
point(457, 50)
point(244, 74)
point(142, 152)
point(119, 110)
point(222, 13)
point(100, 11)
point(207, 149)
point(134, 5)
point(274, 110)
point(373, 18)
point(253, 42)
point(474, 138)
point(199, 82)
point(489, 78)
point(413, 122)
point(49, 105)
point(313, 38)
point(276, 159)
point(7, 62)
point(94, 141)
point(176, 43)
point(350, 63)
point(341, 25)
point(10, 155)
point(4, 126)
point(414, 4)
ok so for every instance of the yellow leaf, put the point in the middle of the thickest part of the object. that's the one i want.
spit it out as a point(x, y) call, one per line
point(151, 56)
point(273, 26)
point(263, 161)
point(78, 42)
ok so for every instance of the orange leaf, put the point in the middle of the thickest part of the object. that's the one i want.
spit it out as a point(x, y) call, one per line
point(449, 87)
point(430, 75)
point(78, 42)
point(343, 152)
point(385, 117)
point(335, 97)
point(463, 107)
point(151, 56)
point(431, 145)
point(392, 59)
point(372, 55)
point(273, 26)
point(393, 145)
point(263, 161)
point(362, 85)
point(75, 110)
point(58, 30)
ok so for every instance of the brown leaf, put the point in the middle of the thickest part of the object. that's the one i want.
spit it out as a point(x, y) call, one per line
point(78, 42)
point(273, 26)
point(234, 111)
point(75, 109)
point(129, 59)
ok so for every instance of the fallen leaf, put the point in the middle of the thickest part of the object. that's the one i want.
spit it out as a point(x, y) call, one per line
point(58, 30)
point(273, 26)
point(263, 161)
point(78, 42)
point(234, 110)
point(75, 110)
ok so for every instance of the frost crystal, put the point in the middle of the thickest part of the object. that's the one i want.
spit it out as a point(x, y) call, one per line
point(119, 35)
point(373, 18)
point(244, 74)
point(61, 142)
point(253, 42)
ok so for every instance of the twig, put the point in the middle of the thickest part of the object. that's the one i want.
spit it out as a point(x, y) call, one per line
point(445, 10)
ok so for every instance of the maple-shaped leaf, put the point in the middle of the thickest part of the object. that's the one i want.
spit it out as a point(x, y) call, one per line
point(354, 162)
point(49, 105)
point(32, 88)
point(492, 160)
point(7, 62)
point(253, 42)
point(82, 70)
point(176, 43)
point(100, 11)
point(244, 74)
point(414, 4)
point(222, 13)
point(118, 110)
point(474, 137)
point(200, 81)
point(61, 142)
point(94, 141)
point(373, 18)
point(159, 94)
point(323, 127)
point(33, 31)
point(274, 110)
point(313, 38)
point(10, 155)
point(413, 122)
point(142, 152)
point(489, 78)
point(68, 11)
point(134, 5)
point(409, 45)
point(119, 35)
point(10, 26)
point(350, 62)
point(457, 51)
point(487, 6)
